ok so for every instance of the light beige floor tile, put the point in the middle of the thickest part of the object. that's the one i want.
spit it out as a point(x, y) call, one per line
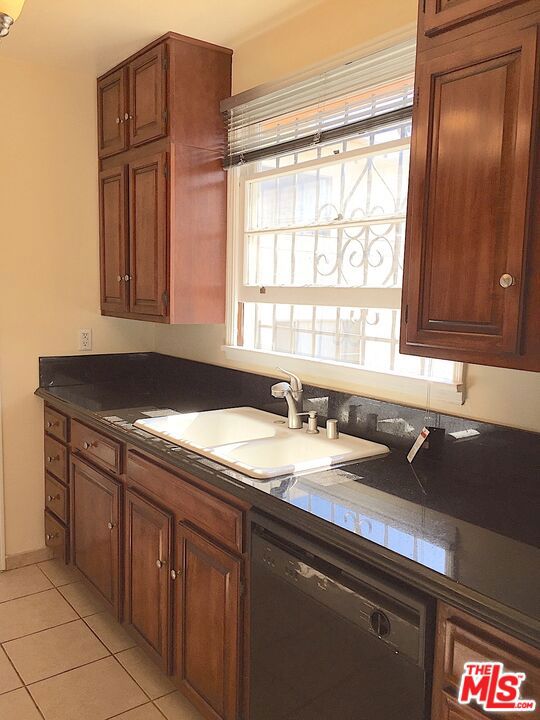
point(110, 632)
point(85, 600)
point(93, 692)
point(33, 613)
point(59, 573)
point(9, 680)
point(18, 705)
point(21, 582)
point(176, 707)
point(145, 712)
point(149, 676)
point(53, 651)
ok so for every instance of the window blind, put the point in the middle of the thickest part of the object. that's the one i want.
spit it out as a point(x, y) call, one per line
point(354, 97)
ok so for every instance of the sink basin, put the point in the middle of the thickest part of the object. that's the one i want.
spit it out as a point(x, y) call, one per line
point(257, 443)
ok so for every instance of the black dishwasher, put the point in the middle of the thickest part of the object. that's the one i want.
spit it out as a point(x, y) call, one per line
point(331, 640)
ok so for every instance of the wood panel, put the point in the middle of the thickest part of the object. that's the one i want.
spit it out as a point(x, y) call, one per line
point(95, 518)
point(148, 96)
point(207, 625)
point(113, 233)
point(56, 424)
point(56, 459)
point(57, 498)
point(112, 107)
point(148, 562)
point(148, 236)
point(441, 15)
point(101, 450)
point(56, 537)
point(470, 188)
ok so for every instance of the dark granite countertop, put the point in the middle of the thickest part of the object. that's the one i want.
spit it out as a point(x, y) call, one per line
point(462, 523)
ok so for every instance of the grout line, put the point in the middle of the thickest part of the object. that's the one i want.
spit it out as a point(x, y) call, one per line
point(65, 672)
point(23, 686)
point(135, 679)
point(131, 676)
point(35, 703)
point(70, 582)
point(144, 704)
point(36, 632)
point(20, 597)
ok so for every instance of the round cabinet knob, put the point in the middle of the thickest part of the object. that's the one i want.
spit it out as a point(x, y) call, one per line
point(127, 278)
point(118, 121)
point(51, 536)
point(380, 624)
point(88, 445)
point(111, 525)
point(506, 280)
point(159, 564)
point(51, 498)
point(119, 278)
point(175, 574)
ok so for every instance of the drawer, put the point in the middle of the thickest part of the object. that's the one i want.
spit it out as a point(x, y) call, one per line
point(56, 459)
point(56, 498)
point(452, 710)
point(56, 424)
point(98, 448)
point(215, 517)
point(56, 537)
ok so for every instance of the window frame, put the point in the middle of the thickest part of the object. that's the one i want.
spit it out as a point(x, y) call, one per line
point(452, 392)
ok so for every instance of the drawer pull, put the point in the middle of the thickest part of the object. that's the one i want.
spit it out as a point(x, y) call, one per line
point(160, 563)
point(88, 445)
point(52, 498)
point(51, 536)
point(111, 525)
point(52, 423)
point(53, 458)
point(175, 574)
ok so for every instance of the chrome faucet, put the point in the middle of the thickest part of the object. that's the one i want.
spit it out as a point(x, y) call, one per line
point(293, 392)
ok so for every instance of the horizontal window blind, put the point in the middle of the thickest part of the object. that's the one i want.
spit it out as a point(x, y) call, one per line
point(354, 97)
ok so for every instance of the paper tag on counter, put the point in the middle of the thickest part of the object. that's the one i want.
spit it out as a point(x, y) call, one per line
point(420, 440)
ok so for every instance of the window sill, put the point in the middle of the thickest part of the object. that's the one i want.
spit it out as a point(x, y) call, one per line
point(348, 378)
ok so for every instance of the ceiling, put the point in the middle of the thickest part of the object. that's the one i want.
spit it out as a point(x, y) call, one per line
point(97, 34)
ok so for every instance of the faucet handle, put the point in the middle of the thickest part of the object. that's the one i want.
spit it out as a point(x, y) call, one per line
point(296, 383)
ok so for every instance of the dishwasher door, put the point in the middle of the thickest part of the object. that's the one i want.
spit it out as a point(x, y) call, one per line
point(329, 642)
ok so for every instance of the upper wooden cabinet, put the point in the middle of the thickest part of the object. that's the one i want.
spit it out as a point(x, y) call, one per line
point(162, 185)
point(469, 293)
point(148, 96)
point(112, 107)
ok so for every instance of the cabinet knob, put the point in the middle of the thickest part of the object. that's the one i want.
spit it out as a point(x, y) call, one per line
point(51, 536)
point(160, 564)
point(53, 458)
point(51, 498)
point(118, 121)
point(175, 574)
point(87, 445)
point(127, 278)
point(127, 116)
point(111, 525)
point(507, 280)
point(119, 278)
point(51, 423)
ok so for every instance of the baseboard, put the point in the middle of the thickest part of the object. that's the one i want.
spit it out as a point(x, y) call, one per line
point(28, 558)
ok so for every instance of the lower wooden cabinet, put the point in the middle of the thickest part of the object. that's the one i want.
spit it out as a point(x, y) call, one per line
point(95, 518)
point(207, 624)
point(148, 555)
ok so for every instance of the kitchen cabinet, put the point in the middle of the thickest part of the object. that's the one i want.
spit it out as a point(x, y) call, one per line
point(112, 126)
point(95, 519)
point(148, 556)
point(472, 234)
point(442, 15)
point(461, 638)
point(207, 623)
point(162, 183)
point(113, 239)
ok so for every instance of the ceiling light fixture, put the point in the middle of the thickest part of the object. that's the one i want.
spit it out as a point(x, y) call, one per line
point(9, 12)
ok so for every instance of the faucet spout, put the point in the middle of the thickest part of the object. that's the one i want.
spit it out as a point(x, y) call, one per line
point(293, 395)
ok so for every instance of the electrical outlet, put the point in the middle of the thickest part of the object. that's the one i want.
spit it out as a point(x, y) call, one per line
point(85, 340)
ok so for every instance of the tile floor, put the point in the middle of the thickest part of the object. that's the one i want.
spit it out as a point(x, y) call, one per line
point(63, 657)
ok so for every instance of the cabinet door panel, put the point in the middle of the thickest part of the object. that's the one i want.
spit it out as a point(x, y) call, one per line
point(148, 96)
point(95, 517)
point(441, 15)
point(113, 239)
point(148, 565)
point(469, 198)
point(207, 624)
point(148, 235)
point(112, 105)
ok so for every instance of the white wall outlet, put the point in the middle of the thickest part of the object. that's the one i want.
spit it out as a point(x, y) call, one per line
point(85, 340)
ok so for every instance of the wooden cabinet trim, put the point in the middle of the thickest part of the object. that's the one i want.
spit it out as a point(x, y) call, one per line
point(442, 15)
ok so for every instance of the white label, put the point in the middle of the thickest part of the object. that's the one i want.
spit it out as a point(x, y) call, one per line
point(420, 440)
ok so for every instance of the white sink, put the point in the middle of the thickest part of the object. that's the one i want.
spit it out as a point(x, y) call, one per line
point(257, 443)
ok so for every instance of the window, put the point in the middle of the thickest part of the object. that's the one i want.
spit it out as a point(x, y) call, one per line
point(318, 238)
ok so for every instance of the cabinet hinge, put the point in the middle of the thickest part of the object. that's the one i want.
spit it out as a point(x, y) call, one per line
point(242, 588)
point(165, 299)
point(416, 97)
point(166, 169)
point(165, 62)
point(165, 116)
point(406, 314)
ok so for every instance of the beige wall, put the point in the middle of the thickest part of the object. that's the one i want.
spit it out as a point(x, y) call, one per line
point(48, 265)
point(329, 29)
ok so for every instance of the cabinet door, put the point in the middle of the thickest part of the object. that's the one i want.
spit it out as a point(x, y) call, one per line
point(148, 96)
point(207, 624)
point(113, 240)
point(112, 106)
point(441, 15)
point(469, 200)
point(94, 519)
point(148, 236)
point(147, 563)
